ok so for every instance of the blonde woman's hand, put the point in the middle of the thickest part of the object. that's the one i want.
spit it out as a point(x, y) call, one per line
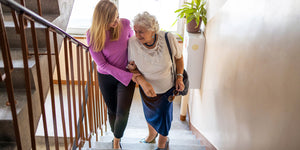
point(179, 83)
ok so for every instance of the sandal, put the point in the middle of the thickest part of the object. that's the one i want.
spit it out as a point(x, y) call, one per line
point(166, 146)
point(152, 141)
point(112, 144)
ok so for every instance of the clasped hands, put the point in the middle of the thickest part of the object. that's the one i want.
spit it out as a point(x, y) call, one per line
point(133, 69)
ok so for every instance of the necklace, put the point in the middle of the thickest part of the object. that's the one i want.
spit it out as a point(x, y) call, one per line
point(152, 43)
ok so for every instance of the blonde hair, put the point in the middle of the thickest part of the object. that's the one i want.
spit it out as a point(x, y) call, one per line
point(105, 12)
point(147, 21)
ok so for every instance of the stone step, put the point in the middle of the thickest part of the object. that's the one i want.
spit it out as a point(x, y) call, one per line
point(186, 140)
point(179, 139)
point(14, 39)
point(142, 146)
point(18, 77)
point(7, 135)
point(50, 17)
point(8, 146)
point(49, 7)
point(6, 122)
point(134, 135)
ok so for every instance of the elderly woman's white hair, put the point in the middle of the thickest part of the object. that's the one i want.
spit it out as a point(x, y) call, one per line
point(146, 21)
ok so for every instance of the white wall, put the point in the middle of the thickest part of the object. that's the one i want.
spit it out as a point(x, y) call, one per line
point(250, 95)
point(213, 7)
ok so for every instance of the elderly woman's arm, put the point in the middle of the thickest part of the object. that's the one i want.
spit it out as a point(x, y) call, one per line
point(179, 74)
point(147, 87)
point(139, 79)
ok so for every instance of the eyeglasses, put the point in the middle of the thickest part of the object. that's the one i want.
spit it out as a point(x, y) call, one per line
point(172, 97)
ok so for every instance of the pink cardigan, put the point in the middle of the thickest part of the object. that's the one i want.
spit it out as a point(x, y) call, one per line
point(113, 58)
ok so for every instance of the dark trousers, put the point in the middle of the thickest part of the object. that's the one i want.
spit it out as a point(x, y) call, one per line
point(118, 98)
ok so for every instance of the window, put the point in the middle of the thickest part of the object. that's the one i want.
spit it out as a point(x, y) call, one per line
point(162, 9)
point(81, 17)
point(82, 13)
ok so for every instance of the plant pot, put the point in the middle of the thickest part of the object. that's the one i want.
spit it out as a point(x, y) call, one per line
point(192, 26)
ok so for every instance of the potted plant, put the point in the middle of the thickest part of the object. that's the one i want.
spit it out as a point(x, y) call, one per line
point(194, 12)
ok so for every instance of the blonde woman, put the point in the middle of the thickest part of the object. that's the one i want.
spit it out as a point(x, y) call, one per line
point(107, 39)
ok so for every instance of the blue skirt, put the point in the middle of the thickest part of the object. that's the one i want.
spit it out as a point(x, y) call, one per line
point(158, 111)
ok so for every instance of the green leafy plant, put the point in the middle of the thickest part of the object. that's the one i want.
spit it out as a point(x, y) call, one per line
point(193, 10)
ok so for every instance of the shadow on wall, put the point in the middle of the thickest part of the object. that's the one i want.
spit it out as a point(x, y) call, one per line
point(251, 76)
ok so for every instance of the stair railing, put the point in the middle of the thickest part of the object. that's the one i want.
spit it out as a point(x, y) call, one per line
point(94, 112)
point(38, 6)
point(22, 2)
point(86, 100)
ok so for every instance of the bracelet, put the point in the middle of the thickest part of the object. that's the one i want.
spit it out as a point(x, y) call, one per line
point(179, 74)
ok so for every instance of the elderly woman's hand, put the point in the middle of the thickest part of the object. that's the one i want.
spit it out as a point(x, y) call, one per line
point(135, 75)
point(179, 83)
point(147, 87)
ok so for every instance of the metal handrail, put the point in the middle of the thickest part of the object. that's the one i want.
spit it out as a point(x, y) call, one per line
point(80, 119)
point(19, 8)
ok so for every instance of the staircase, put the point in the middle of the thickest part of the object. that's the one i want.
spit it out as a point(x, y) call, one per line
point(57, 12)
point(181, 138)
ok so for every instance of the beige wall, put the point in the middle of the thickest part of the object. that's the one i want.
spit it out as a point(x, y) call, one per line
point(75, 62)
point(250, 96)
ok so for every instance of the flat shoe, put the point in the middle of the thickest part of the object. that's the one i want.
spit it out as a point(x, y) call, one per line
point(117, 148)
point(144, 140)
point(112, 144)
point(166, 146)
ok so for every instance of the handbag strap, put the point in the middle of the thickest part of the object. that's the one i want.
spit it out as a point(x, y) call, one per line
point(170, 52)
point(168, 44)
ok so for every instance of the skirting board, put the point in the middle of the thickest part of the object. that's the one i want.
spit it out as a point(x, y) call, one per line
point(65, 82)
point(199, 136)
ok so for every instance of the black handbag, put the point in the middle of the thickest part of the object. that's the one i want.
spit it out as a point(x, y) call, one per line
point(185, 75)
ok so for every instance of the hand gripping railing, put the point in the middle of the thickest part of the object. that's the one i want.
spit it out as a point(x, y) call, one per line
point(92, 111)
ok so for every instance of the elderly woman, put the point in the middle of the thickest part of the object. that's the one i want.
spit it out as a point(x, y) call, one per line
point(148, 53)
